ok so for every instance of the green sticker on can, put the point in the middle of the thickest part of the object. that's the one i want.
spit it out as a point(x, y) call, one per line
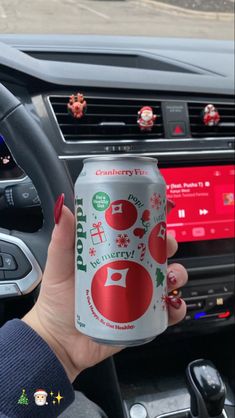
point(100, 201)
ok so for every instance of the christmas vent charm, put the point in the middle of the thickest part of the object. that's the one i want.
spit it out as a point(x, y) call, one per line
point(146, 119)
point(77, 105)
point(211, 116)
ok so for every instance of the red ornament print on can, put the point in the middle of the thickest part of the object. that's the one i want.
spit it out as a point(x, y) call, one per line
point(157, 243)
point(120, 284)
point(121, 215)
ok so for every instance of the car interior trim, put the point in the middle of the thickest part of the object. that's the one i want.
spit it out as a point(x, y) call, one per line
point(113, 141)
point(33, 278)
point(154, 154)
point(12, 181)
point(184, 413)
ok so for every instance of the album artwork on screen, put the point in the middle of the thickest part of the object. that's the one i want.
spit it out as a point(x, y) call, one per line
point(204, 198)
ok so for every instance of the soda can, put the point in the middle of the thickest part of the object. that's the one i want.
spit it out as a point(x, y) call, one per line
point(121, 259)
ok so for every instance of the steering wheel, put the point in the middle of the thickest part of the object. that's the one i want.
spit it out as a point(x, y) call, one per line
point(24, 254)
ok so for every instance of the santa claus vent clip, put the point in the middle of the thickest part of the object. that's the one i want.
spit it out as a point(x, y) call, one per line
point(146, 118)
point(211, 116)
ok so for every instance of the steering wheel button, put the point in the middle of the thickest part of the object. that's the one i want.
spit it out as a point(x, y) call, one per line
point(16, 265)
point(9, 289)
point(8, 262)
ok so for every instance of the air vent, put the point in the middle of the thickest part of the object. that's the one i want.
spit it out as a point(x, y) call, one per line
point(106, 119)
point(225, 128)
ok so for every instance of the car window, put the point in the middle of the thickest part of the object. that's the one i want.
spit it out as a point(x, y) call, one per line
point(210, 19)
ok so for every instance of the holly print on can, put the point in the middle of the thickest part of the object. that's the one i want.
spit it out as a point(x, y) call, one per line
point(120, 261)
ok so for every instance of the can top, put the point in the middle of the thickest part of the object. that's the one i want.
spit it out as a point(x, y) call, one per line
point(119, 157)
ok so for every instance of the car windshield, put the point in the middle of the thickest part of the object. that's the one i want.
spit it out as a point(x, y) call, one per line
point(209, 19)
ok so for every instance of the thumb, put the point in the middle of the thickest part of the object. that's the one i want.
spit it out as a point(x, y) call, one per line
point(60, 258)
point(170, 205)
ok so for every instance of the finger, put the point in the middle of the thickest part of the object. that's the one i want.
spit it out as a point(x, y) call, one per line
point(60, 259)
point(176, 310)
point(169, 205)
point(177, 276)
point(172, 245)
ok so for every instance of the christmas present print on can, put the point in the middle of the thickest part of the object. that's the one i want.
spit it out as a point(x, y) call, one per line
point(97, 234)
point(120, 286)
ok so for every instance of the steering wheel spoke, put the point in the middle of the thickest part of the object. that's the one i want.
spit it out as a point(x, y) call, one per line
point(26, 252)
point(20, 272)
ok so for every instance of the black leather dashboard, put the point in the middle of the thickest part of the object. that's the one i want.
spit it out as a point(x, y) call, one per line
point(200, 66)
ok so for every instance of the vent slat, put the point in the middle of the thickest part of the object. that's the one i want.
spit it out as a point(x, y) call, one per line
point(110, 118)
point(77, 138)
point(106, 118)
point(102, 124)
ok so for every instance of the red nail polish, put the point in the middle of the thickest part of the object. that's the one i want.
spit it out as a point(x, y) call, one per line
point(170, 205)
point(58, 208)
point(171, 278)
point(174, 301)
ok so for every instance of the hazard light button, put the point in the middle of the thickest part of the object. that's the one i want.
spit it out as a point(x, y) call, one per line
point(177, 129)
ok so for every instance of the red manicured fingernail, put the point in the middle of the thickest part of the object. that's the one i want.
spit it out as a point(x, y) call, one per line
point(170, 204)
point(174, 301)
point(58, 208)
point(171, 278)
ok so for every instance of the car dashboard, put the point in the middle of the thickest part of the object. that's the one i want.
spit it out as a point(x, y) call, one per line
point(118, 76)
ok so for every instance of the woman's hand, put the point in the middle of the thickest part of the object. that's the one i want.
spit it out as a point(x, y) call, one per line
point(52, 317)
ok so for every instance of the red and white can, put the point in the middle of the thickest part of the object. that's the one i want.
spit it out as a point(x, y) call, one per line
point(121, 260)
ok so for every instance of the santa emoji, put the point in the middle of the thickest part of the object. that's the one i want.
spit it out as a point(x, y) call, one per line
point(211, 115)
point(146, 118)
point(40, 397)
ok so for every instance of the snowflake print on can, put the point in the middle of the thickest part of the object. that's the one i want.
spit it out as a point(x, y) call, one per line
point(122, 240)
point(155, 201)
point(92, 252)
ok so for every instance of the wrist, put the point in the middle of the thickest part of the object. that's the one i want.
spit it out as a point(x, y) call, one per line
point(32, 320)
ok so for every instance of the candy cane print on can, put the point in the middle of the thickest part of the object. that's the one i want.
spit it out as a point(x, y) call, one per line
point(120, 264)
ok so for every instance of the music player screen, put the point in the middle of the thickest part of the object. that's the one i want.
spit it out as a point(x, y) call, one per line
point(204, 198)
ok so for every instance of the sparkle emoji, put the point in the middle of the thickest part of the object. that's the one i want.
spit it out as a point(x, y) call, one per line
point(58, 397)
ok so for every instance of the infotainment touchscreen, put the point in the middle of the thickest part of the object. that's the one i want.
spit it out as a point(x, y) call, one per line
point(204, 198)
